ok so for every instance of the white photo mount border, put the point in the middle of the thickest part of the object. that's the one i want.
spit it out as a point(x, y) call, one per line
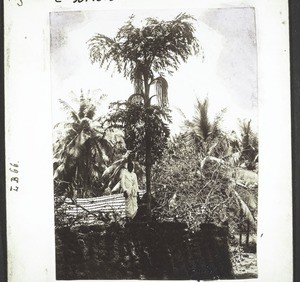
point(30, 214)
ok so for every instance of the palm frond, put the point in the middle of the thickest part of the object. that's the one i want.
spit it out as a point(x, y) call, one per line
point(59, 170)
point(106, 148)
point(74, 148)
point(244, 207)
point(70, 111)
point(181, 113)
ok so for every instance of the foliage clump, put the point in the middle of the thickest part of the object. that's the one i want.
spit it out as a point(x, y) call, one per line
point(83, 149)
point(136, 121)
point(185, 193)
point(204, 176)
point(155, 47)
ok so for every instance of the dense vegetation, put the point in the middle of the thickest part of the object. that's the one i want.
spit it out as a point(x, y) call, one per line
point(202, 175)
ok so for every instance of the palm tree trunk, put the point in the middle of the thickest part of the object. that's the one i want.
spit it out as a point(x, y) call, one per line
point(85, 170)
point(248, 233)
point(148, 150)
point(148, 176)
point(241, 229)
point(241, 236)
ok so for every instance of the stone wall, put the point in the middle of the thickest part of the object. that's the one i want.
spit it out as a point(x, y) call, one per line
point(142, 251)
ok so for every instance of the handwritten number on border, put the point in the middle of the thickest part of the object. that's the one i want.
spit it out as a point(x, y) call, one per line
point(14, 179)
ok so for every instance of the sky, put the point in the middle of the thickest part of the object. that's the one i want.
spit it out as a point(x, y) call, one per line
point(227, 75)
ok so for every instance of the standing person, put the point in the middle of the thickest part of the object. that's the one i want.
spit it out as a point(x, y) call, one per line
point(129, 185)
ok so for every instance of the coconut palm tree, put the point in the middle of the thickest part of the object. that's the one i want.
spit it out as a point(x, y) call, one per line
point(249, 144)
point(214, 146)
point(205, 134)
point(83, 148)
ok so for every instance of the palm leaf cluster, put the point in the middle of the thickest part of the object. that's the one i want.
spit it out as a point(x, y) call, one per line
point(136, 120)
point(210, 195)
point(206, 135)
point(154, 47)
point(84, 148)
point(197, 169)
point(249, 144)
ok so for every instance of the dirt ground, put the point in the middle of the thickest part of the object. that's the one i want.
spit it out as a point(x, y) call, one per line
point(247, 267)
point(244, 260)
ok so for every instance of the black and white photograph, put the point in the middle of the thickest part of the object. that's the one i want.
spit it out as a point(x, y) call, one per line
point(148, 140)
point(155, 143)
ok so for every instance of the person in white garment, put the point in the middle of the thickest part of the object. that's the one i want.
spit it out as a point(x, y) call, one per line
point(129, 185)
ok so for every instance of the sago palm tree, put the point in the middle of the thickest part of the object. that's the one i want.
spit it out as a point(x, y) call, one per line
point(144, 54)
